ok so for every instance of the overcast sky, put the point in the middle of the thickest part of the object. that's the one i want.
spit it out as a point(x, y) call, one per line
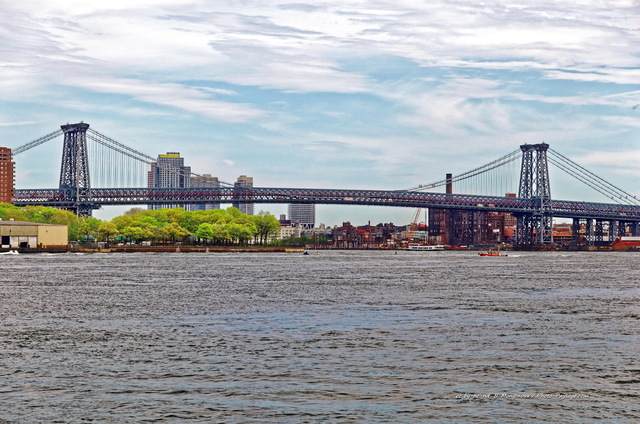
point(374, 94)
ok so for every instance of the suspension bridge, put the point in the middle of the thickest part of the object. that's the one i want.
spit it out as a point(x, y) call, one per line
point(122, 174)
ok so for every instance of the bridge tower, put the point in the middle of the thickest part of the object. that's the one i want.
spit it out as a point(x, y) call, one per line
point(536, 228)
point(74, 172)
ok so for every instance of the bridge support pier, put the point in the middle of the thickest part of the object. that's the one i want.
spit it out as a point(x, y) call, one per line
point(599, 233)
point(74, 172)
point(536, 228)
point(614, 229)
point(576, 228)
point(588, 232)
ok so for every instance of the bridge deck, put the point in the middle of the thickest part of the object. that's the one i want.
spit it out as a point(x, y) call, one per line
point(394, 198)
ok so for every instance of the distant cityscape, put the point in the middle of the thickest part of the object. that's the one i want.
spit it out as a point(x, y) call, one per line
point(439, 226)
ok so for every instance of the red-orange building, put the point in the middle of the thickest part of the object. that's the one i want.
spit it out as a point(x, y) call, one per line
point(7, 175)
point(626, 243)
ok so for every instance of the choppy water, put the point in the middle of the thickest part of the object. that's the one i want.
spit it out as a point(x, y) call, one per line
point(335, 337)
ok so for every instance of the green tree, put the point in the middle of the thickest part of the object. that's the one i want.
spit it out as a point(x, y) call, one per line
point(173, 232)
point(122, 221)
point(174, 215)
point(241, 233)
point(133, 211)
point(234, 213)
point(88, 228)
point(267, 226)
point(204, 232)
point(136, 234)
point(221, 234)
point(106, 231)
point(8, 212)
point(47, 215)
point(216, 216)
point(190, 220)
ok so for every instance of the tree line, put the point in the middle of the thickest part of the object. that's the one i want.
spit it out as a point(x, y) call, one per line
point(215, 227)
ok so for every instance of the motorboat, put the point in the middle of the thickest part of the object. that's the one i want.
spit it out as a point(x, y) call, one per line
point(492, 253)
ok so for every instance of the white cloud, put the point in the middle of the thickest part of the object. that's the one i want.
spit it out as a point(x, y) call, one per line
point(439, 78)
point(294, 46)
point(608, 75)
point(615, 159)
point(189, 99)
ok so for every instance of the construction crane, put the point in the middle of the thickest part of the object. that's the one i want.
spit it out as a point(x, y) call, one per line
point(414, 226)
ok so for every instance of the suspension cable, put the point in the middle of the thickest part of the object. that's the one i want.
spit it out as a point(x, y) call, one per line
point(36, 142)
point(132, 153)
point(474, 172)
point(116, 146)
point(592, 180)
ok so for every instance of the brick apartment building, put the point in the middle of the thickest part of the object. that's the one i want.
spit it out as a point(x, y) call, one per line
point(7, 175)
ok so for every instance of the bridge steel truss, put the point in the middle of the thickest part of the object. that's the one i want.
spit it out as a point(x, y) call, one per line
point(398, 198)
point(74, 172)
point(533, 208)
point(536, 226)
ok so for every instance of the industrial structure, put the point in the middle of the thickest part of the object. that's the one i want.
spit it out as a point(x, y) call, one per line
point(466, 228)
point(467, 218)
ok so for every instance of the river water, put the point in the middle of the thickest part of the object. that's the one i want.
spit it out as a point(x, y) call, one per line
point(337, 337)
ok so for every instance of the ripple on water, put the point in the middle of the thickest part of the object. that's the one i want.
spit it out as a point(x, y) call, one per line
point(335, 337)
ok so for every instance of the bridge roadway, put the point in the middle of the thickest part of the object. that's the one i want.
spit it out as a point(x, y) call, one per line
point(98, 197)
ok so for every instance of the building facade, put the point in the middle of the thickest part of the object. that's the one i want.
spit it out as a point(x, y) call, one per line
point(244, 181)
point(205, 180)
point(7, 175)
point(169, 172)
point(303, 214)
point(465, 228)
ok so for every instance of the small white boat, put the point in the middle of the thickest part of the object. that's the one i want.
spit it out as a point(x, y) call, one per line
point(425, 247)
point(10, 252)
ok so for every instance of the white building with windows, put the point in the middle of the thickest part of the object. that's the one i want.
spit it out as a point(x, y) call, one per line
point(303, 214)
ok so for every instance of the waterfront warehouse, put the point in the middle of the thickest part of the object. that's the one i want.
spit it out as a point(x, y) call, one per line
point(31, 235)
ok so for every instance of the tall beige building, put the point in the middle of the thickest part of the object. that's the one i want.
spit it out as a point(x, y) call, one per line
point(244, 181)
point(207, 181)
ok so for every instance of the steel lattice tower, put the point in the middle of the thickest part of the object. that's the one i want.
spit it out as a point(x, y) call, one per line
point(74, 172)
point(536, 228)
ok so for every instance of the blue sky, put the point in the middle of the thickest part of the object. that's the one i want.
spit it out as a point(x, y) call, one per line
point(351, 94)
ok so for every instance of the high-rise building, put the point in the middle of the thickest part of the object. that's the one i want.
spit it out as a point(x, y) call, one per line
point(244, 181)
point(207, 181)
point(303, 214)
point(7, 175)
point(169, 172)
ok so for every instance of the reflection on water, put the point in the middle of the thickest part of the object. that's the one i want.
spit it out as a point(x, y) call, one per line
point(335, 337)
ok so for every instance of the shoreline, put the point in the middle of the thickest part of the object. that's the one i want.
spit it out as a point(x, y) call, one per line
point(270, 249)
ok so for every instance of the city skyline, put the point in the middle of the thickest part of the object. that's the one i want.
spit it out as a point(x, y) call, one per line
point(376, 95)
